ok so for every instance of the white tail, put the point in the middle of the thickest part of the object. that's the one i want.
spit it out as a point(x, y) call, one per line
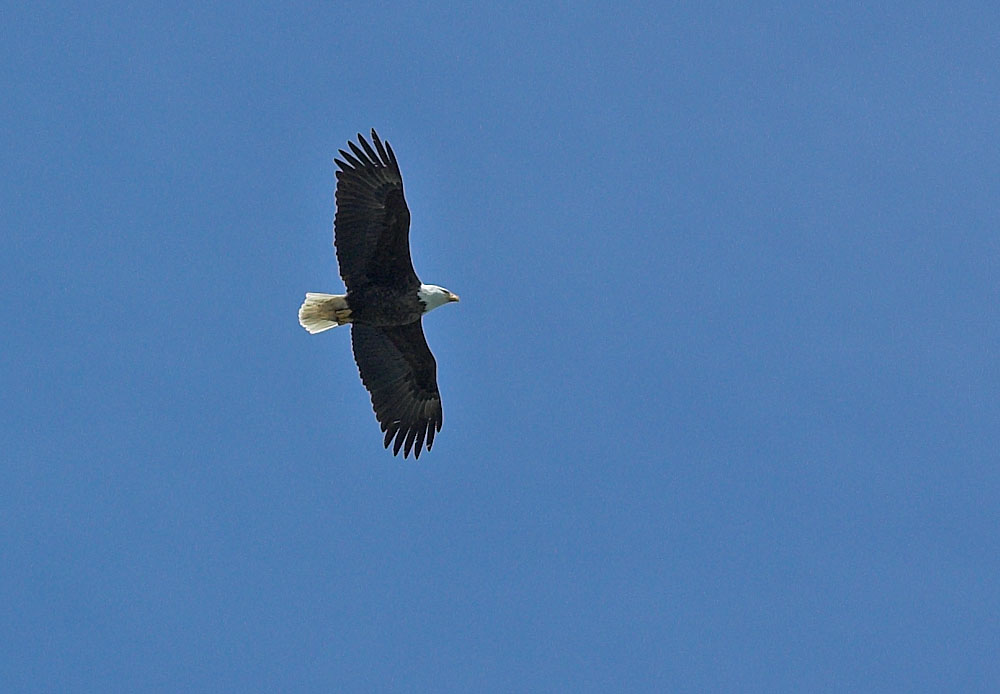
point(321, 312)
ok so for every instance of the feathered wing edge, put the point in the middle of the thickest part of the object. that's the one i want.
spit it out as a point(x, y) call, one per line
point(365, 157)
point(372, 223)
point(421, 429)
point(400, 373)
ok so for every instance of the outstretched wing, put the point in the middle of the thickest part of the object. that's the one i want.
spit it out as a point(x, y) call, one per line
point(372, 226)
point(399, 371)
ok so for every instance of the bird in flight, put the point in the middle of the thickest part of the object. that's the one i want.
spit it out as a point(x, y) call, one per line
point(385, 299)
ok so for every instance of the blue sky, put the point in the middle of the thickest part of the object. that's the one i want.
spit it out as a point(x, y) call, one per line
point(720, 396)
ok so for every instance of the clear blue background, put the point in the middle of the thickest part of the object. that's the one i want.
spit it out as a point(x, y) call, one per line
point(720, 396)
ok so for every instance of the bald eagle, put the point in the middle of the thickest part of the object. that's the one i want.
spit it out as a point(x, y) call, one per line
point(385, 299)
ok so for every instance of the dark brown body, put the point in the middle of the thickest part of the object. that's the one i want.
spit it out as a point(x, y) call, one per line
point(384, 306)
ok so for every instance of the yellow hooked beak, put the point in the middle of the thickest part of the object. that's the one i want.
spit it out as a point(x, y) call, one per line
point(452, 297)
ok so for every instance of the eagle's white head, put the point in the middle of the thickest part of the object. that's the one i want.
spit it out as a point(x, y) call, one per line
point(433, 296)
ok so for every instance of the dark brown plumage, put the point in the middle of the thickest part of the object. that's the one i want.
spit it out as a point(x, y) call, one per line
point(385, 299)
point(372, 225)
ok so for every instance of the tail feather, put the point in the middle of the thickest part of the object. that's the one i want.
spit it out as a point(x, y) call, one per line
point(321, 312)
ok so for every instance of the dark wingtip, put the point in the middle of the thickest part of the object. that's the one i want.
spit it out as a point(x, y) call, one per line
point(410, 436)
point(409, 440)
point(421, 432)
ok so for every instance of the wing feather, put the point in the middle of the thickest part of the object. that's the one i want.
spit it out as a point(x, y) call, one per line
point(372, 225)
point(400, 373)
point(369, 152)
point(382, 154)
